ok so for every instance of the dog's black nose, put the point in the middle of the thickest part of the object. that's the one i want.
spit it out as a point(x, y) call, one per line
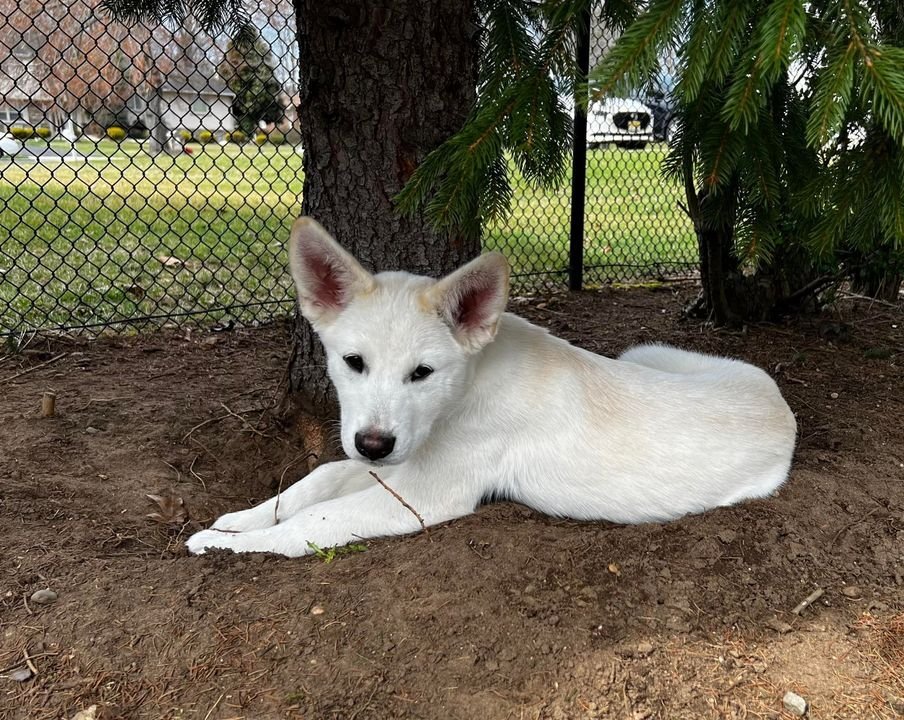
point(374, 445)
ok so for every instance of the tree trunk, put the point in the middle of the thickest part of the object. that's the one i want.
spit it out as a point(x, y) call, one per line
point(729, 296)
point(160, 138)
point(383, 83)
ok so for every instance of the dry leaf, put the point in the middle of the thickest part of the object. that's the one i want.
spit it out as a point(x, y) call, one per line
point(170, 261)
point(615, 569)
point(21, 674)
point(172, 509)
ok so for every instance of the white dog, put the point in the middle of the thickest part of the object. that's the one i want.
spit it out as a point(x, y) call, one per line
point(451, 400)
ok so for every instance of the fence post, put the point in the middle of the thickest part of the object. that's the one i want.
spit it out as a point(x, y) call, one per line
point(579, 159)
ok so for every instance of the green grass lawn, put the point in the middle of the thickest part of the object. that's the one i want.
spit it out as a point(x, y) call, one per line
point(633, 226)
point(123, 234)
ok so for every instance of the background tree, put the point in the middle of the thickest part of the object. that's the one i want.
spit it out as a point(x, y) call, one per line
point(248, 68)
point(790, 114)
point(791, 129)
point(383, 83)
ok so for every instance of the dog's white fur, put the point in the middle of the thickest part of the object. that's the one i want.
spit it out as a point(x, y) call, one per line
point(509, 412)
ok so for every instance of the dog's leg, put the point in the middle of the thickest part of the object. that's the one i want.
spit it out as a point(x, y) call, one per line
point(323, 483)
point(369, 513)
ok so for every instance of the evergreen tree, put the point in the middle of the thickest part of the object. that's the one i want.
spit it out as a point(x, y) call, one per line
point(248, 68)
point(791, 125)
point(790, 141)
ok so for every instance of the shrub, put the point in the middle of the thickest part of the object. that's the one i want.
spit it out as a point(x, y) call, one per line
point(185, 136)
point(260, 138)
point(205, 136)
point(44, 133)
point(22, 132)
point(237, 136)
point(115, 133)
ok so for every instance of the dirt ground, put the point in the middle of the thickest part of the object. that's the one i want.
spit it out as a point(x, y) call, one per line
point(505, 614)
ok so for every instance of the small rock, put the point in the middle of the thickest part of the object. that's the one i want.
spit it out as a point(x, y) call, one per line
point(794, 704)
point(852, 591)
point(833, 395)
point(44, 597)
point(20, 674)
point(553, 619)
point(90, 430)
point(88, 714)
point(317, 610)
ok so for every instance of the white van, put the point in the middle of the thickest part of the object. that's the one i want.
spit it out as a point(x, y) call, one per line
point(625, 122)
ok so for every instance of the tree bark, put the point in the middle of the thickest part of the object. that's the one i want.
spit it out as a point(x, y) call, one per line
point(383, 83)
point(160, 138)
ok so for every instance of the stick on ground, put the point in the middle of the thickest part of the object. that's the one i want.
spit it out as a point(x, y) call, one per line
point(34, 367)
point(48, 404)
point(401, 500)
point(808, 601)
point(282, 477)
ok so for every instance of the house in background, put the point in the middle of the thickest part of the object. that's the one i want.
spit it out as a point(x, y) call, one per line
point(26, 84)
point(73, 70)
point(197, 101)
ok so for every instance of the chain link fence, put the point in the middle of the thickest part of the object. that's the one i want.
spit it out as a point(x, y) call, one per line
point(150, 174)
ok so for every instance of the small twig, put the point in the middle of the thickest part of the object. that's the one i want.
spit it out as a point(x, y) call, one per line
point(851, 524)
point(471, 544)
point(808, 601)
point(242, 420)
point(213, 707)
point(854, 296)
point(174, 469)
point(401, 500)
point(283, 477)
point(202, 424)
point(5, 670)
point(790, 378)
point(25, 600)
point(34, 367)
point(31, 665)
point(191, 469)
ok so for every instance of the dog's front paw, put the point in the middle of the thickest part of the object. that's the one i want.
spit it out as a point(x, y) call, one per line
point(202, 541)
point(244, 520)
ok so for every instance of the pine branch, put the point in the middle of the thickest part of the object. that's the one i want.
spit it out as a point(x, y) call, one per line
point(636, 52)
point(884, 82)
point(831, 96)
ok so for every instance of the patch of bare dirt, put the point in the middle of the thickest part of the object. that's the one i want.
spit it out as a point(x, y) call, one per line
point(505, 614)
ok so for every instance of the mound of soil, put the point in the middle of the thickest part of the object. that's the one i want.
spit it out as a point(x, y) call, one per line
point(505, 614)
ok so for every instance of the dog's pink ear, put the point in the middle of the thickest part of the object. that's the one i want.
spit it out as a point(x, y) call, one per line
point(472, 299)
point(326, 276)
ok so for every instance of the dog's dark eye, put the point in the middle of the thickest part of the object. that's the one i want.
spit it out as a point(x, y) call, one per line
point(355, 362)
point(420, 372)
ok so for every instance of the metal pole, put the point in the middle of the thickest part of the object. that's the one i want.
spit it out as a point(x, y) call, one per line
point(579, 160)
